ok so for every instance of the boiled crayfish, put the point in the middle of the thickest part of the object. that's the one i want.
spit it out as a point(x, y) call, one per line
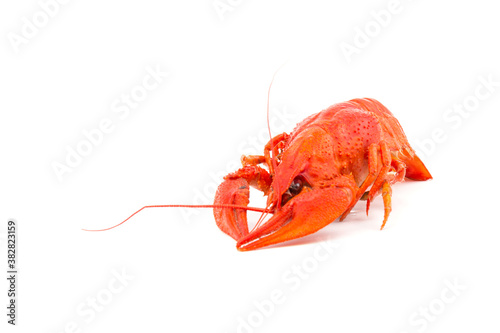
point(318, 172)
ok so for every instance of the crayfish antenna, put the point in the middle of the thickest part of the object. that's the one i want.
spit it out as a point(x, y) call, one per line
point(273, 160)
point(254, 209)
point(262, 217)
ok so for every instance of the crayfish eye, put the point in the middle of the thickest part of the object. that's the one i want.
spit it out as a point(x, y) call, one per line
point(294, 189)
point(296, 186)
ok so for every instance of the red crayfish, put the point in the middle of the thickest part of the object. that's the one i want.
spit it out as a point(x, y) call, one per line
point(316, 174)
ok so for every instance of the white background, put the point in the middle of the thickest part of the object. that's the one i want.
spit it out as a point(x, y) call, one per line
point(186, 275)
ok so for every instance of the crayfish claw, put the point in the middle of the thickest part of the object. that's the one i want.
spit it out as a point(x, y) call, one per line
point(232, 221)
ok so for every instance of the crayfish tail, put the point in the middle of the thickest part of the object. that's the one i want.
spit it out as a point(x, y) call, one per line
point(415, 168)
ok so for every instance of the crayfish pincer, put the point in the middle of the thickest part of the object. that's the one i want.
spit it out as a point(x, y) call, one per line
point(317, 173)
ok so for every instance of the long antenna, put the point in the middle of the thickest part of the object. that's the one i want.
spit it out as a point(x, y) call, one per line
point(273, 160)
point(185, 206)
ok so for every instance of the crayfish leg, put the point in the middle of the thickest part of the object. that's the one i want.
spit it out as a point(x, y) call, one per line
point(386, 196)
point(382, 175)
point(252, 159)
point(382, 182)
point(370, 178)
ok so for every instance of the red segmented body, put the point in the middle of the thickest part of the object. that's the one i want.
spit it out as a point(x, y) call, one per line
point(318, 173)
